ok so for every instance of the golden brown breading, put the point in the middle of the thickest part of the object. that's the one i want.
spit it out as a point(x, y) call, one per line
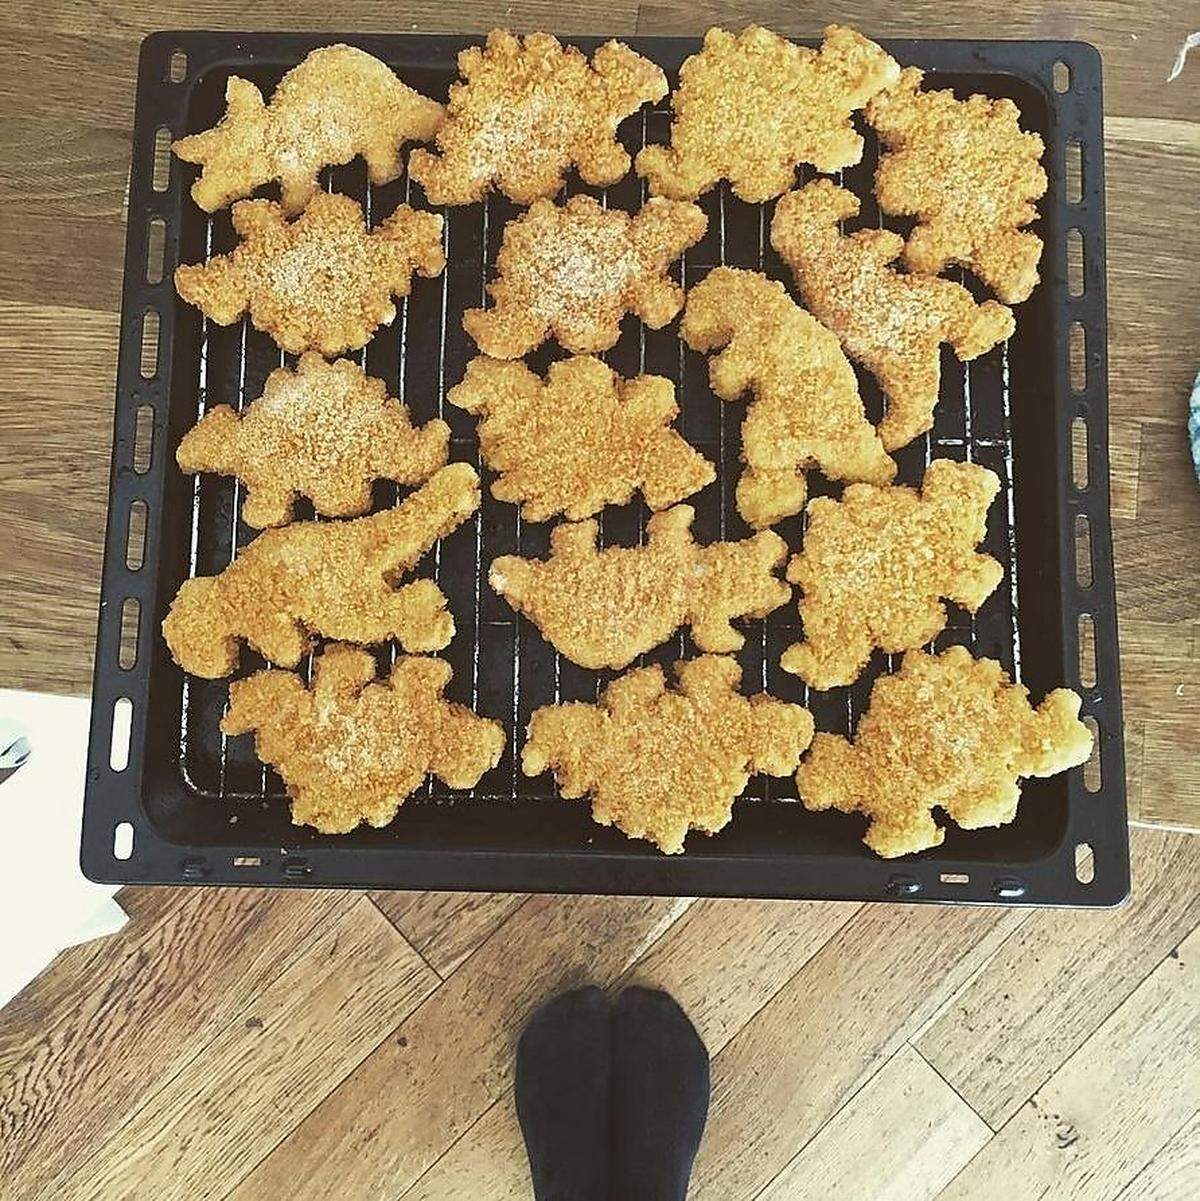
point(969, 175)
point(527, 113)
point(572, 272)
point(947, 731)
point(749, 108)
point(325, 431)
point(584, 439)
point(337, 103)
point(805, 411)
point(876, 563)
point(353, 748)
point(321, 282)
point(659, 762)
point(603, 608)
point(891, 323)
point(333, 578)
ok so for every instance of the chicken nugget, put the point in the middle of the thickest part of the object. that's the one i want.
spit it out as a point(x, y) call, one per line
point(750, 107)
point(352, 748)
point(572, 272)
point(876, 563)
point(337, 103)
point(969, 174)
point(945, 731)
point(530, 110)
point(805, 411)
point(890, 322)
point(325, 431)
point(333, 578)
point(584, 439)
point(603, 608)
point(659, 762)
point(322, 282)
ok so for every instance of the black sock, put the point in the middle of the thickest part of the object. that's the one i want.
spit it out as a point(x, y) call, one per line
point(659, 1097)
point(562, 1089)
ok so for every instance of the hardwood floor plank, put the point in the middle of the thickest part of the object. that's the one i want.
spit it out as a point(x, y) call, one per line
point(1173, 1173)
point(487, 1164)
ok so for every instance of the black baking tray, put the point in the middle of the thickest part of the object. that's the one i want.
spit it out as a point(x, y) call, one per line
point(200, 808)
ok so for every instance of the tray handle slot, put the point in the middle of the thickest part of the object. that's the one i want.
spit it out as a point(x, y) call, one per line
point(135, 538)
point(161, 174)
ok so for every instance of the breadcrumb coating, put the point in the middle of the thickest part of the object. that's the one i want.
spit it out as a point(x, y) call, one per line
point(750, 107)
point(945, 731)
point(527, 112)
point(339, 102)
point(891, 323)
point(326, 431)
point(659, 762)
point(321, 282)
point(603, 608)
point(583, 439)
point(968, 173)
point(352, 748)
point(333, 578)
point(805, 410)
point(876, 563)
point(572, 272)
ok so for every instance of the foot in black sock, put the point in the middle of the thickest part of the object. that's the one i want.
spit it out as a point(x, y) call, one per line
point(659, 1097)
point(562, 1089)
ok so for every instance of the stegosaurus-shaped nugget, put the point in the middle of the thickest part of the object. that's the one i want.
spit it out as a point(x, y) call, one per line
point(337, 103)
point(333, 578)
point(750, 107)
point(322, 282)
point(352, 749)
point(891, 323)
point(572, 272)
point(876, 563)
point(948, 731)
point(603, 608)
point(325, 431)
point(528, 112)
point(805, 411)
point(658, 762)
point(969, 174)
point(584, 439)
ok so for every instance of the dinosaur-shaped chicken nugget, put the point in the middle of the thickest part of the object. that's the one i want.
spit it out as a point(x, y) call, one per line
point(603, 608)
point(321, 282)
point(806, 410)
point(572, 272)
point(969, 174)
point(891, 323)
point(353, 748)
point(876, 563)
point(750, 107)
point(333, 578)
point(948, 731)
point(528, 112)
point(325, 431)
point(584, 439)
point(658, 762)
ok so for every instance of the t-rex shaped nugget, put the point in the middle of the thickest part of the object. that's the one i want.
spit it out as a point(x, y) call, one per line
point(875, 565)
point(969, 175)
point(891, 323)
point(750, 107)
point(333, 578)
point(947, 731)
point(321, 282)
point(527, 113)
point(603, 608)
point(806, 410)
point(573, 272)
point(337, 103)
point(659, 762)
point(353, 748)
point(325, 431)
point(584, 439)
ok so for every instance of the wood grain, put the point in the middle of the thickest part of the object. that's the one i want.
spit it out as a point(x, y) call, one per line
point(1172, 1174)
